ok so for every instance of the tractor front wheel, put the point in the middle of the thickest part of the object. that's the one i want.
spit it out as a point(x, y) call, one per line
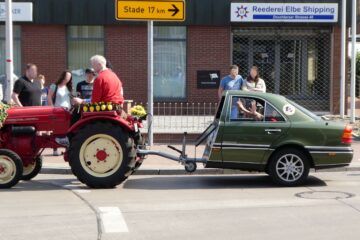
point(11, 168)
point(32, 170)
point(101, 155)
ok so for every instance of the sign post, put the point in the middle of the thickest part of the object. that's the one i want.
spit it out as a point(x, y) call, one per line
point(150, 80)
point(153, 10)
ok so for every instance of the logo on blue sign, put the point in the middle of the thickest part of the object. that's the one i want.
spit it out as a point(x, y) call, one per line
point(241, 12)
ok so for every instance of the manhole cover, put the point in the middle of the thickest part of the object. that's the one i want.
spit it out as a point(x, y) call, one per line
point(324, 195)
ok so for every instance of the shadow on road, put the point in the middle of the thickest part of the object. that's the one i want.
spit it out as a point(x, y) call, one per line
point(163, 183)
point(209, 182)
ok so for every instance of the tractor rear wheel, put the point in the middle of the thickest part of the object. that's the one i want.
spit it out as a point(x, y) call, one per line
point(32, 170)
point(101, 155)
point(11, 168)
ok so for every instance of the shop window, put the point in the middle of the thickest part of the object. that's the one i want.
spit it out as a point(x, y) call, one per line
point(169, 63)
point(83, 42)
point(17, 50)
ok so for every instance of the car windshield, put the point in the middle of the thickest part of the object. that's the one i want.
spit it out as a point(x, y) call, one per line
point(304, 110)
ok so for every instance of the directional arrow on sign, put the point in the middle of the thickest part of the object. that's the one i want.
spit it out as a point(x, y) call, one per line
point(175, 10)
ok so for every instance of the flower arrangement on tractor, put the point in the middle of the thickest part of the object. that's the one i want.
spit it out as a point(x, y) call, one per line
point(138, 111)
point(3, 113)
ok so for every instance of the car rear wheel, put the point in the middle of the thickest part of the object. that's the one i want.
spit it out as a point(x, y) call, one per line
point(32, 170)
point(11, 168)
point(289, 167)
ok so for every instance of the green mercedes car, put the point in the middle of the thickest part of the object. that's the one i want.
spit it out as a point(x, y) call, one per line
point(270, 133)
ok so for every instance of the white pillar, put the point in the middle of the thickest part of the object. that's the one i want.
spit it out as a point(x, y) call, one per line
point(353, 62)
point(9, 50)
point(343, 59)
point(150, 80)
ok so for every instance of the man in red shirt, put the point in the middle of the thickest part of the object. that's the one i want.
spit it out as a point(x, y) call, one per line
point(107, 86)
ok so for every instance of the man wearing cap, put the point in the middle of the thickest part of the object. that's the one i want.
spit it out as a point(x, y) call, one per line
point(84, 89)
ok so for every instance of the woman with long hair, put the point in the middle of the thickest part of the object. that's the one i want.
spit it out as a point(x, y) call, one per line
point(60, 92)
point(254, 82)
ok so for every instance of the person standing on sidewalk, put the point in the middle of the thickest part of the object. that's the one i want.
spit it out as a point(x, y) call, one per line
point(60, 94)
point(254, 83)
point(84, 89)
point(44, 90)
point(27, 91)
point(233, 81)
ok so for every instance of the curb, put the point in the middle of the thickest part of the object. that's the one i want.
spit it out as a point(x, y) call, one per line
point(210, 171)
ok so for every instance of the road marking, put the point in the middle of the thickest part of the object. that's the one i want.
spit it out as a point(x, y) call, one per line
point(112, 220)
point(81, 190)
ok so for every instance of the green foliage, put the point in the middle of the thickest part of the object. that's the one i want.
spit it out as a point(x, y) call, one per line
point(138, 110)
point(3, 113)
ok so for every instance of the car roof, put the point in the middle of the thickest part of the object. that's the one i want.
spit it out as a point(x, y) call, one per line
point(277, 100)
point(267, 96)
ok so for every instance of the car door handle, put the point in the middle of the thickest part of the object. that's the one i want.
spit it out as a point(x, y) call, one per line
point(273, 130)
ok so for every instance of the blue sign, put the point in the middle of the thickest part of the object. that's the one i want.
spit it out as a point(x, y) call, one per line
point(284, 12)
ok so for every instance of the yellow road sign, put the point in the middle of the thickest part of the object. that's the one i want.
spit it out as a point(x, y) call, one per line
point(159, 10)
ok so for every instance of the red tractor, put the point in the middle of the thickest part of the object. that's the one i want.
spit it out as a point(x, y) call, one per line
point(101, 150)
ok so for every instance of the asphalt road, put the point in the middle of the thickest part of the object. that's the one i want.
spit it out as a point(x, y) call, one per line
point(183, 207)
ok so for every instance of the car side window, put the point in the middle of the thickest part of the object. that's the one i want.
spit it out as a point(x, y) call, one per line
point(272, 115)
point(247, 109)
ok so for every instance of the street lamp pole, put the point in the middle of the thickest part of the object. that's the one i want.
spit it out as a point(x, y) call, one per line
point(343, 60)
point(9, 50)
point(353, 62)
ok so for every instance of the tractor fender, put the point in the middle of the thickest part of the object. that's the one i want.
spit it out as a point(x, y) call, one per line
point(118, 121)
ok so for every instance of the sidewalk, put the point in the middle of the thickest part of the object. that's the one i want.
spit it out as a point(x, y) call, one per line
point(155, 165)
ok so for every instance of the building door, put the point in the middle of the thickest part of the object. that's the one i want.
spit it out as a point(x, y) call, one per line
point(294, 64)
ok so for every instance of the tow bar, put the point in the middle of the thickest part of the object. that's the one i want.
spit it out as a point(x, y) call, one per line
point(189, 163)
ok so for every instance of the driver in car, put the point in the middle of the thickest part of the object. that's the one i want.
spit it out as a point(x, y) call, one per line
point(251, 110)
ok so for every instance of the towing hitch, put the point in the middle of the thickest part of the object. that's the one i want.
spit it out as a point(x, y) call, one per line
point(189, 163)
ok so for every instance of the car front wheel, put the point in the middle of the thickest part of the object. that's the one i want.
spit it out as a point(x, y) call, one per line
point(289, 167)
